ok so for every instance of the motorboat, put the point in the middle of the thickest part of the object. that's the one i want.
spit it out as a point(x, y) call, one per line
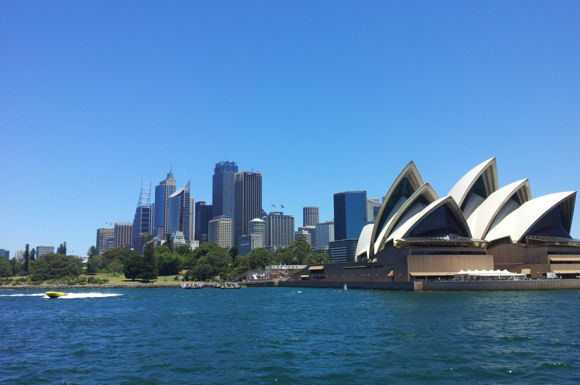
point(55, 294)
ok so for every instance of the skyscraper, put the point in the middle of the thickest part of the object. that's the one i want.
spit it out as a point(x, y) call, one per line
point(350, 217)
point(223, 197)
point(123, 234)
point(104, 236)
point(203, 214)
point(310, 216)
point(162, 193)
point(258, 229)
point(279, 230)
point(312, 234)
point(373, 207)
point(220, 231)
point(42, 250)
point(181, 213)
point(5, 253)
point(142, 223)
point(248, 202)
point(324, 235)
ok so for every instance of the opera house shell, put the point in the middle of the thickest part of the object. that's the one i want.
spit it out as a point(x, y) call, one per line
point(478, 225)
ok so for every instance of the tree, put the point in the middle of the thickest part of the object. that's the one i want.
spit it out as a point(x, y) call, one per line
point(92, 251)
point(94, 264)
point(121, 254)
point(54, 266)
point(116, 266)
point(299, 253)
point(26, 260)
point(234, 250)
point(260, 258)
point(133, 267)
point(149, 271)
point(5, 268)
point(17, 267)
point(168, 263)
point(61, 249)
point(32, 254)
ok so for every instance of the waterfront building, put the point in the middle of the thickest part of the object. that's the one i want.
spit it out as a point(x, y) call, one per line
point(343, 250)
point(5, 253)
point(373, 207)
point(324, 235)
point(310, 216)
point(123, 232)
point(279, 230)
point(42, 250)
point(105, 239)
point(350, 210)
point(477, 226)
point(142, 223)
point(312, 234)
point(220, 231)
point(181, 216)
point(203, 214)
point(258, 229)
point(248, 201)
point(163, 191)
point(223, 194)
point(249, 243)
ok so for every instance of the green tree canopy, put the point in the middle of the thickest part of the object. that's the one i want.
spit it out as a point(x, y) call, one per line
point(54, 266)
point(133, 267)
point(299, 253)
point(5, 268)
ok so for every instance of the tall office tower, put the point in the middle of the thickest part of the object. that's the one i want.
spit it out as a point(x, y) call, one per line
point(310, 216)
point(248, 193)
point(123, 233)
point(258, 229)
point(104, 235)
point(42, 250)
point(20, 255)
point(223, 196)
point(142, 223)
point(350, 214)
point(373, 206)
point(324, 235)
point(181, 214)
point(162, 193)
point(203, 214)
point(312, 234)
point(5, 253)
point(279, 230)
point(220, 231)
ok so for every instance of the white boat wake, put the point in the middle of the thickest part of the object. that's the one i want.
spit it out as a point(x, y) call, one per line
point(68, 296)
point(88, 295)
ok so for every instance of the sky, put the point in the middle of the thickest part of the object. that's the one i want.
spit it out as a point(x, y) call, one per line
point(319, 96)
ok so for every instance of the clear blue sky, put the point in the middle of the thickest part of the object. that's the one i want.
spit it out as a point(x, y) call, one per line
point(320, 96)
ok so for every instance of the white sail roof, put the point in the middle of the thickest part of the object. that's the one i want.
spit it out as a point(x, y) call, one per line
point(462, 190)
point(485, 214)
point(517, 224)
point(406, 228)
point(405, 212)
point(409, 179)
point(364, 241)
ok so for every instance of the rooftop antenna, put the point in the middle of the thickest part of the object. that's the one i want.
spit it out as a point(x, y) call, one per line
point(145, 194)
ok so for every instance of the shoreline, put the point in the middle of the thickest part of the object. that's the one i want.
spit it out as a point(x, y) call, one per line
point(51, 287)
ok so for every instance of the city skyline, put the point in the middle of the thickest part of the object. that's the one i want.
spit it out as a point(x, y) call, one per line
point(319, 98)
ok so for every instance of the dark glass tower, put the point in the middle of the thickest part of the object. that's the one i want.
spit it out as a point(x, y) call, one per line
point(162, 193)
point(350, 217)
point(203, 214)
point(248, 199)
point(223, 197)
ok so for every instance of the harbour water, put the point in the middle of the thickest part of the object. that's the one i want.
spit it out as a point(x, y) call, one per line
point(290, 336)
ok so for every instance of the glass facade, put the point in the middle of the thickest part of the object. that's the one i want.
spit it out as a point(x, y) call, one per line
point(223, 195)
point(350, 210)
point(203, 214)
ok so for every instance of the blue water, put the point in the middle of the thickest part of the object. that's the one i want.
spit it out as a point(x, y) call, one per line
point(290, 336)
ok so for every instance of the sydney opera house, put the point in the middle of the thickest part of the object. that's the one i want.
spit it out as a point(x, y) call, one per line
point(478, 225)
